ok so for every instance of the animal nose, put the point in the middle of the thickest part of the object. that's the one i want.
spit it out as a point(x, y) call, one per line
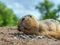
point(23, 19)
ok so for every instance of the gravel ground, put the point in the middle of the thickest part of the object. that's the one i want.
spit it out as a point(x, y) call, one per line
point(10, 36)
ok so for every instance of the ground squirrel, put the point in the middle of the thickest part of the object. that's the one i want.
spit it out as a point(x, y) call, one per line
point(29, 25)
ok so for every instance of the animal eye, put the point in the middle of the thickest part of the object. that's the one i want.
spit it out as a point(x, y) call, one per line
point(23, 19)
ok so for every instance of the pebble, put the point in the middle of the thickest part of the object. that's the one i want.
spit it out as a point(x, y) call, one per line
point(30, 36)
point(23, 35)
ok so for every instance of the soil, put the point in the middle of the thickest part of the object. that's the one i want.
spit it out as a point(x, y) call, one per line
point(9, 36)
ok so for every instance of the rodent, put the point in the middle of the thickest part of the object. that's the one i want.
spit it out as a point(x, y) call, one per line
point(29, 25)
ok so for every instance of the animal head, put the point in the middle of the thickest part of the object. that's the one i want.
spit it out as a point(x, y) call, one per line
point(28, 24)
point(28, 20)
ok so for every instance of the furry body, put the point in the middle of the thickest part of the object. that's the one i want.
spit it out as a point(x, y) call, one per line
point(29, 25)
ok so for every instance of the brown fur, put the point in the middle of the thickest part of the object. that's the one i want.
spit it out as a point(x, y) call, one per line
point(45, 27)
point(29, 25)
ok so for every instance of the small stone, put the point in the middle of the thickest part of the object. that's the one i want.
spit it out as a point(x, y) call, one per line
point(40, 36)
point(15, 37)
point(22, 36)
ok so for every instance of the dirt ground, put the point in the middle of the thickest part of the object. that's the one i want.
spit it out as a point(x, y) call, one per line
point(8, 37)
